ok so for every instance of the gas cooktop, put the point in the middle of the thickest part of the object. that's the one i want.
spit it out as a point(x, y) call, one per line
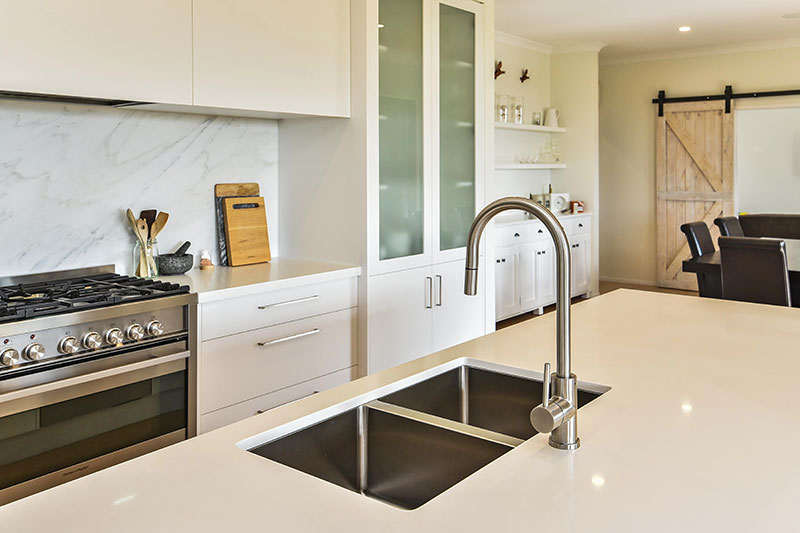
point(23, 301)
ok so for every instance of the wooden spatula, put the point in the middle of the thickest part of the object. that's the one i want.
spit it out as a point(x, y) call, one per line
point(149, 215)
point(158, 225)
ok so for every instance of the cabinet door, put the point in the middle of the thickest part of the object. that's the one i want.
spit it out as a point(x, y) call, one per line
point(545, 273)
point(114, 49)
point(273, 55)
point(403, 189)
point(457, 124)
point(400, 309)
point(581, 264)
point(528, 276)
point(506, 285)
point(457, 317)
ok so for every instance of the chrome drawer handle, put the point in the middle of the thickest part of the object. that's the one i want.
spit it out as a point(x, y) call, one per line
point(290, 302)
point(289, 337)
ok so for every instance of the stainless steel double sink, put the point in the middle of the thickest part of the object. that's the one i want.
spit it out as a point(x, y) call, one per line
point(414, 439)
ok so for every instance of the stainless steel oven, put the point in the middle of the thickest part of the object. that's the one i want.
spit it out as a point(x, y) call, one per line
point(91, 415)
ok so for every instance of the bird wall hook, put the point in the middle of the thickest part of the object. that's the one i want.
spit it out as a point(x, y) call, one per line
point(524, 76)
point(498, 70)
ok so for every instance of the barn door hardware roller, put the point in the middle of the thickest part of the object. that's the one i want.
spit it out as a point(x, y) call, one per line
point(728, 95)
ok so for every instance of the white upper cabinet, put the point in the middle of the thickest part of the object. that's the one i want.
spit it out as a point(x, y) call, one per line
point(279, 56)
point(112, 49)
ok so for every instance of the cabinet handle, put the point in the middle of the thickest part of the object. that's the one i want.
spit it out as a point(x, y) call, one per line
point(428, 292)
point(503, 260)
point(541, 231)
point(289, 337)
point(261, 411)
point(290, 302)
point(544, 252)
point(580, 225)
point(516, 235)
point(439, 290)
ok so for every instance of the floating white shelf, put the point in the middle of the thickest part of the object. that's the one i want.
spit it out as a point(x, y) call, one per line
point(527, 127)
point(529, 166)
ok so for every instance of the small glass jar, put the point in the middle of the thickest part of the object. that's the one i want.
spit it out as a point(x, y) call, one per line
point(519, 109)
point(144, 260)
point(501, 103)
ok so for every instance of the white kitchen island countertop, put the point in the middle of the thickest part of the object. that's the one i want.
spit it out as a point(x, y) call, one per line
point(698, 433)
point(229, 282)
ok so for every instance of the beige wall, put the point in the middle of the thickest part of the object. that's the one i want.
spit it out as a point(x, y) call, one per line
point(574, 91)
point(536, 90)
point(627, 140)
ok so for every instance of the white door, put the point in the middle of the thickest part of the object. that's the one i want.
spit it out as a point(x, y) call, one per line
point(457, 317)
point(581, 264)
point(528, 275)
point(114, 49)
point(546, 272)
point(400, 317)
point(457, 124)
point(506, 285)
point(273, 55)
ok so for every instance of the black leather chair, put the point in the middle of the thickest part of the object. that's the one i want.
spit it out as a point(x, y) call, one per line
point(729, 227)
point(700, 243)
point(771, 225)
point(755, 270)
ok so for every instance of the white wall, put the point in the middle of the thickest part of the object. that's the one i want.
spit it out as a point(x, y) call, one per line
point(68, 172)
point(768, 160)
point(627, 140)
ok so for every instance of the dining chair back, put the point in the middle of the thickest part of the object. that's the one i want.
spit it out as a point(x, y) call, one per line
point(776, 226)
point(729, 227)
point(700, 243)
point(755, 270)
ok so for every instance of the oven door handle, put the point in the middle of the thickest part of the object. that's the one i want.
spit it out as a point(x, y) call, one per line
point(73, 387)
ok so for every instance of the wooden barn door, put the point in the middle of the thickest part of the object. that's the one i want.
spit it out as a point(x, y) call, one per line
point(694, 180)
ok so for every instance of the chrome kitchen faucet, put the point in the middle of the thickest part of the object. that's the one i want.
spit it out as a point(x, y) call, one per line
point(558, 414)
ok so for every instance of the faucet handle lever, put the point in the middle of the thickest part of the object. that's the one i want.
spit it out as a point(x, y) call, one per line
point(546, 388)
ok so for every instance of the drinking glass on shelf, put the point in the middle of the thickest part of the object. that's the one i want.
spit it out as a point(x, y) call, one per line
point(519, 109)
point(501, 103)
point(537, 118)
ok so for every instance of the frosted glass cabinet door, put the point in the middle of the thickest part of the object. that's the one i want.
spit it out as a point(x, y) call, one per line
point(457, 122)
point(401, 95)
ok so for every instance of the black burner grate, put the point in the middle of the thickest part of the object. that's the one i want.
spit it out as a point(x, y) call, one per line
point(31, 300)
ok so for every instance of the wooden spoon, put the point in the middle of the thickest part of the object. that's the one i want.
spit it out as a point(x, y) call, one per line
point(149, 215)
point(141, 232)
point(158, 225)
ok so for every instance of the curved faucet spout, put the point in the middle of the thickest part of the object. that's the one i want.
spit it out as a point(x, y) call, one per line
point(558, 413)
point(563, 294)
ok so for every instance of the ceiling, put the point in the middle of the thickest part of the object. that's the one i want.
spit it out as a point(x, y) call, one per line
point(633, 29)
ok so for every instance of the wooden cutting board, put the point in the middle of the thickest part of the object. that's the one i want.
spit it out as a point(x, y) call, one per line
point(246, 233)
point(222, 190)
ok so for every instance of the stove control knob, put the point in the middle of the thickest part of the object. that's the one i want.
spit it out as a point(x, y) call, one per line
point(155, 328)
point(69, 345)
point(33, 352)
point(8, 357)
point(135, 332)
point(114, 336)
point(92, 340)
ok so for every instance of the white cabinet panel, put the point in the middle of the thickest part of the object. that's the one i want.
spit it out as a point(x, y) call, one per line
point(400, 317)
point(240, 411)
point(546, 272)
point(457, 317)
point(235, 368)
point(506, 285)
point(273, 55)
point(581, 263)
point(528, 275)
point(110, 49)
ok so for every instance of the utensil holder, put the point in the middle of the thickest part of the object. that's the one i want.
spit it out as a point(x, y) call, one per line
point(144, 259)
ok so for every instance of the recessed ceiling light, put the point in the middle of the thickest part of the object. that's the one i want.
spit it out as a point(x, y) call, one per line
point(792, 15)
point(685, 28)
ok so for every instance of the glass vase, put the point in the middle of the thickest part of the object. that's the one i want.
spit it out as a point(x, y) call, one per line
point(144, 259)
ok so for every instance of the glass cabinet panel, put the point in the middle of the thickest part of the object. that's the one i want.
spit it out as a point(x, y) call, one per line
point(456, 125)
point(402, 187)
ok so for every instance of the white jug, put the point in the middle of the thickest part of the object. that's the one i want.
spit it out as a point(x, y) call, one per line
point(551, 118)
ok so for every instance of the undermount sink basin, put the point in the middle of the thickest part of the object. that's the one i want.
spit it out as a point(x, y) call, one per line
point(412, 440)
point(492, 400)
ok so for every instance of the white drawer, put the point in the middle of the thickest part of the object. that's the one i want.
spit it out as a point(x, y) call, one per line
point(511, 235)
point(236, 368)
point(579, 225)
point(226, 317)
point(240, 411)
point(539, 232)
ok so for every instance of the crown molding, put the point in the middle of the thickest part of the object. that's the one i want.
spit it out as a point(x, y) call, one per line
point(521, 42)
point(592, 46)
point(738, 48)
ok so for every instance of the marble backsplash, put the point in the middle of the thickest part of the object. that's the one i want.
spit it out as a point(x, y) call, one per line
point(68, 172)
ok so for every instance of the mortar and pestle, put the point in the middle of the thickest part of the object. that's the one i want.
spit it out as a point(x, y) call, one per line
point(178, 263)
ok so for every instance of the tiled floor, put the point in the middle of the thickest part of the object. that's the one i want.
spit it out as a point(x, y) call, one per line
point(605, 286)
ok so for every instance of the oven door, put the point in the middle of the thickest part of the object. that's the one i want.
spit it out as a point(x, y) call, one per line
point(58, 431)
